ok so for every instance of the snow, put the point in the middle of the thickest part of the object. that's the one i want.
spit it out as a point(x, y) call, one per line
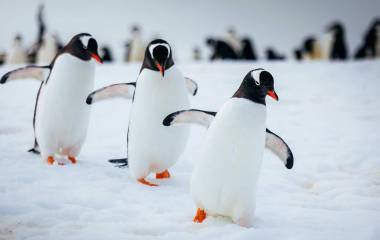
point(328, 113)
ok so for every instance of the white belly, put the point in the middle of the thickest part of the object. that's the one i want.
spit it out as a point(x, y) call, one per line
point(225, 177)
point(153, 147)
point(62, 114)
point(17, 55)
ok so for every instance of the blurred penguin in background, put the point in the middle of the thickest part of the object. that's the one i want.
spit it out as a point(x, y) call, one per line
point(135, 46)
point(17, 53)
point(47, 50)
point(105, 54)
point(233, 40)
point(58, 41)
point(221, 50)
point(248, 52)
point(197, 56)
point(2, 58)
point(298, 54)
point(272, 55)
point(370, 48)
point(337, 47)
point(312, 49)
point(33, 50)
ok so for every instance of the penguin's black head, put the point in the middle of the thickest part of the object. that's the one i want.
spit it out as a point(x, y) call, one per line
point(83, 46)
point(158, 56)
point(256, 85)
point(309, 44)
point(210, 42)
point(336, 28)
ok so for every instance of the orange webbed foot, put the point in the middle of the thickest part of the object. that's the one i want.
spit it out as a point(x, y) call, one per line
point(145, 182)
point(164, 174)
point(73, 160)
point(201, 215)
point(50, 160)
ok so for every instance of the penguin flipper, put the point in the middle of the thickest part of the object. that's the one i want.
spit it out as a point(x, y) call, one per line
point(31, 71)
point(192, 116)
point(123, 90)
point(121, 162)
point(192, 86)
point(279, 147)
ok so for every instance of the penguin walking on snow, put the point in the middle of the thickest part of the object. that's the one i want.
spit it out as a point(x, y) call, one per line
point(61, 115)
point(160, 89)
point(224, 180)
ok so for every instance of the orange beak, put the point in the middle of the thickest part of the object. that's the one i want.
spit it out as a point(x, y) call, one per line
point(97, 58)
point(273, 94)
point(160, 68)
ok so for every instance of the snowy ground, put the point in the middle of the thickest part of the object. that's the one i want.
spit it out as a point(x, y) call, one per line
point(328, 113)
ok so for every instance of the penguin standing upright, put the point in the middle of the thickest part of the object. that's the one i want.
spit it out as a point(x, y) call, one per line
point(248, 52)
point(337, 42)
point(233, 40)
point(312, 49)
point(370, 48)
point(159, 90)
point(17, 53)
point(136, 46)
point(61, 115)
point(224, 180)
point(47, 50)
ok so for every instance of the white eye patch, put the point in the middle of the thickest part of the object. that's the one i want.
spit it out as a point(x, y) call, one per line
point(84, 40)
point(153, 46)
point(255, 74)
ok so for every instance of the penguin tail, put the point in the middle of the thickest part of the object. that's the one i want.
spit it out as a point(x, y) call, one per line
point(34, 150)
point(120, 162)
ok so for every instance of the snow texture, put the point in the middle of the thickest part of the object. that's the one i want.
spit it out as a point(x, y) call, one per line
point(328, 113)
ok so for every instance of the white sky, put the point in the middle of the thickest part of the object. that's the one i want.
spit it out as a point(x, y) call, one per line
point(282, 24)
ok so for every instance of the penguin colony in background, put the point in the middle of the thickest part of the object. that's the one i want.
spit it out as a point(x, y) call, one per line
point(159, 100)
point(228, 47)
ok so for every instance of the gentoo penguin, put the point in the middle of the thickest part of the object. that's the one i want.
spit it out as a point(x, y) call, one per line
point(135, 46)
point(17, 53)
point(221, 50)
point(225, 178)
point(247, 51)
point(47, 50)
point(273, 55)
point(160, 89)
point(370, 47)
point(337, 43)
point(312, 49)
point(197, 56)
point(106, 54)
point(61, 115)
point(233, 40)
